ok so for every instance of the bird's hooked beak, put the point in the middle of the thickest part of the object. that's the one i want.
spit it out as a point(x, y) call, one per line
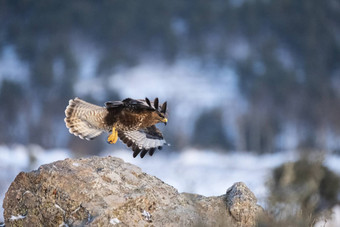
point(165, 120)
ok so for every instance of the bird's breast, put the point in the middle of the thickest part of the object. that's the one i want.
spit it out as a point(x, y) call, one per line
point(130, 122)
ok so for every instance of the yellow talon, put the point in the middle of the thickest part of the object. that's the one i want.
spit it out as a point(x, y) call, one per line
point(113, 137)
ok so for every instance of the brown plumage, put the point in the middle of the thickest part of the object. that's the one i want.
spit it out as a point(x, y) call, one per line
point(132, 120)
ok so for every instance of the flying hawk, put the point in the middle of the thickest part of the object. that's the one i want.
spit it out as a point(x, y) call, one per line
point(132, 120)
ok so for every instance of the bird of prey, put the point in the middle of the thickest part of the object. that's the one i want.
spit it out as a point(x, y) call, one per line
point(132, 120)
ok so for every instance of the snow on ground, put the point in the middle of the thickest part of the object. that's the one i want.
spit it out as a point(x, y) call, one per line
point(204, 172)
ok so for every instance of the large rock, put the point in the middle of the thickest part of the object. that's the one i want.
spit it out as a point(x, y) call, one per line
point(107, 191)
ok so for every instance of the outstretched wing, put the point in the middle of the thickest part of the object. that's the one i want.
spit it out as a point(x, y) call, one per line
point(143, 141)
point(84, 119)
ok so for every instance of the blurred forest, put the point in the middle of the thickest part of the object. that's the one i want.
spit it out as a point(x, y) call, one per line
point(286, 54)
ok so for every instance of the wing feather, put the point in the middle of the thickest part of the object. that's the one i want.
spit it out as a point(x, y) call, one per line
point(136, 104)
point(143, 141)
point(84, 119)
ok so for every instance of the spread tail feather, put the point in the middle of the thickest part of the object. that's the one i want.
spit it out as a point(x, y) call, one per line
point(84, 119)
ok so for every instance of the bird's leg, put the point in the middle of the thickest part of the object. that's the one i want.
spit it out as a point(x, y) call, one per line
point(113, 137)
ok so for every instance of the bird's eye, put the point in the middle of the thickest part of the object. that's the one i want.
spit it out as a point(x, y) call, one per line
point(161, 115)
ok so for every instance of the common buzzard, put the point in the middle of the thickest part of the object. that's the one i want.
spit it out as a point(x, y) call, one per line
point(132, 120)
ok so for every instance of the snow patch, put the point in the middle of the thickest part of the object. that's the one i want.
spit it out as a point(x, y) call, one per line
point(14, 218)
point(147, 215)
point(57, 206)
point(75, 164)
point(27, 192)
point(75, 211)
point(114, 221)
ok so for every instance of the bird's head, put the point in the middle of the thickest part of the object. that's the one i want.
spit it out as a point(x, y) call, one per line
point(159, 114)
point(161, 117)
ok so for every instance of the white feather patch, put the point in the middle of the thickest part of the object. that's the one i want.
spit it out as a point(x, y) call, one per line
point(142, 141)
